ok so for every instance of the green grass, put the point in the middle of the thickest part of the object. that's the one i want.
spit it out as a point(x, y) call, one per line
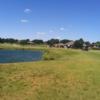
point(62, 75)
point(18, 46)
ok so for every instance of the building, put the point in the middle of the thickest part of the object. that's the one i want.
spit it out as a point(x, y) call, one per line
point(66, 45)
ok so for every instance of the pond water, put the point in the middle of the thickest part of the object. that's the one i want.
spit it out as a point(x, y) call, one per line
point(12, 56)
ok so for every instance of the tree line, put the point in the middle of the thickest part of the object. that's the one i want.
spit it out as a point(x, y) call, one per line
point(77, 43)
point(22, 42)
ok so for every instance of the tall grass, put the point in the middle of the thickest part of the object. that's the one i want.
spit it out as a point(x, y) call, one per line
point(70, 75)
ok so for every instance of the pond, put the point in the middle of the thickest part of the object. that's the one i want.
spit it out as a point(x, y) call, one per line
point(13, 56)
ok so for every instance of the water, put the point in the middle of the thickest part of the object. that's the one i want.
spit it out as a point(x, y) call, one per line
point(12, 56)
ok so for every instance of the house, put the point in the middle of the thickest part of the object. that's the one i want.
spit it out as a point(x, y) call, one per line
point(69, 44)
point(85, 47)
point(95, 46)
point(66, 45)
point(31, 43)
point(59, 45)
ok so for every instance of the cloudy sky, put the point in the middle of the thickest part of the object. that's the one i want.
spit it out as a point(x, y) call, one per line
point(45, 19)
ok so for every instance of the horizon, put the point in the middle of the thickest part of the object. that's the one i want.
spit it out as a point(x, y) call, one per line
point(50, 39)
point(47, 19)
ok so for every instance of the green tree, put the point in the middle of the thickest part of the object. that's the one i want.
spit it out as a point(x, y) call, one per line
point(79, 43)
point(24, 42)
point(36, 41)
point(98, 44)
point(64, 41)
point(52, 42)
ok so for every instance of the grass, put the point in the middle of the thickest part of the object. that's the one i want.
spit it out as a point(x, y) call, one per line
point(18, 46)
point(65, 75)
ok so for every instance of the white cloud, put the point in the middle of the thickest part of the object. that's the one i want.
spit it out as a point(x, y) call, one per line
point(27, 10)
point(58, 37)
point(24, 20)
point(40, 33)
point(62, 28)
point(51, 31)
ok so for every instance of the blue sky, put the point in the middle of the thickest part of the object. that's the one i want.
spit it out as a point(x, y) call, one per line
point(46, 19)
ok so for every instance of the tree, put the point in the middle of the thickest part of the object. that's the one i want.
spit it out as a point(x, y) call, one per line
point(52, 42)
point(79, 43)
point(98, 44)
point(64, 41)
point(1, 40)
point(36, 41)
point(24, 42)
point(8, 40)
point(87, 43)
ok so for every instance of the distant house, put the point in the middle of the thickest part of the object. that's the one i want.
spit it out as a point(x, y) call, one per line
point(66, 45)
point(86, 47)
point(69, 44)
point(59, 45)
point(31, 43)
point(95, 46)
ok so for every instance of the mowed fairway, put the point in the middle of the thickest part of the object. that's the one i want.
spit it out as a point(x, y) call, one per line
point(64, 75)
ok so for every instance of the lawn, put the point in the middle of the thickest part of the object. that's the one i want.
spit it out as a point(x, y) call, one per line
point(63, 74)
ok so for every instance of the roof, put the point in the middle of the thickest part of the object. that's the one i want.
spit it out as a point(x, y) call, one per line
point(70, 43)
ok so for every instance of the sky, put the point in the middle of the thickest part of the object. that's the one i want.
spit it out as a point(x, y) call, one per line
point(46, 19)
